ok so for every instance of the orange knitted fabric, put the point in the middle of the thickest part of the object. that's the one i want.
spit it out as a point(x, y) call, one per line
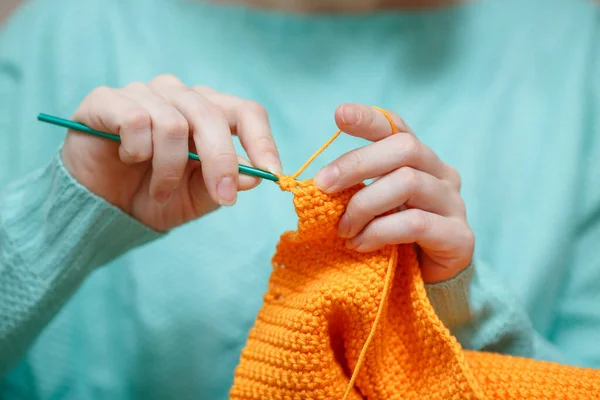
point(319, 328)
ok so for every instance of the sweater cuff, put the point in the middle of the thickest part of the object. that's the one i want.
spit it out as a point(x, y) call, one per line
point(58, 228)
point(53, 233)
point(450, 299)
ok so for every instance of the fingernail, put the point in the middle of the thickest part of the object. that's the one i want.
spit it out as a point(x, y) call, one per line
point(344, 226)
point(163, 197)
point(227, 191)
point(353, 244)
point(350, 115)
point(273, 165)
point(327, 177)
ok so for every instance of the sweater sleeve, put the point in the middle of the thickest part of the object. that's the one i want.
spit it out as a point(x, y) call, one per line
point(485, 315)
point(481, 314)
point(450, 299)
point(53, 232)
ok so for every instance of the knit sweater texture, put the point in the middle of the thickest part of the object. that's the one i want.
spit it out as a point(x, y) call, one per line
point(95, 305)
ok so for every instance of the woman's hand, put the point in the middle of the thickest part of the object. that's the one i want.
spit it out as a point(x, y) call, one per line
point(148, 174)
point(409, 178)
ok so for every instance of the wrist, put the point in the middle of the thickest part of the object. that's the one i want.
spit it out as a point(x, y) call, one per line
point(81, 165)
point(451, 298)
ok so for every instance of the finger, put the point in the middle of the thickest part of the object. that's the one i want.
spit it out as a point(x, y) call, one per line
point(246, 182)
point(368, 122)
point(428, 230)
point(376, 159)
point(170, 132)
point(403, 187)
point(108, 110)
point(200, 197)
point(211, 134)
point(250, 122)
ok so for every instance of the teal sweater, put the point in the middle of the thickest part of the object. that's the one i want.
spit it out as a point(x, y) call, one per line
point(94, 305)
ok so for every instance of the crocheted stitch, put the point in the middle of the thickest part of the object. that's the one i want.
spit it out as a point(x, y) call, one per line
point(339, 324)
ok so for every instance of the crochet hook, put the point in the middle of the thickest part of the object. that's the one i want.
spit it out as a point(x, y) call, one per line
point(244, 169)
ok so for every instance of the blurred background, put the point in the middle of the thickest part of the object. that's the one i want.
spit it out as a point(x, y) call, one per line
point(6, 6)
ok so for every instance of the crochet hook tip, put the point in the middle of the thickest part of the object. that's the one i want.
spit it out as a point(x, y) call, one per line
point(50, 119)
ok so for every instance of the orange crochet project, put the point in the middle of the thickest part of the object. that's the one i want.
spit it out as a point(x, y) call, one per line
point(338, 324)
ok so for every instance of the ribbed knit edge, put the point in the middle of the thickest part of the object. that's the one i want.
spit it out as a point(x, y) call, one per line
point(53, 234)
point(450, 299)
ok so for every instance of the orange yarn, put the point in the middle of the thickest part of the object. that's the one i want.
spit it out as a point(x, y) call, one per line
point(339, 324)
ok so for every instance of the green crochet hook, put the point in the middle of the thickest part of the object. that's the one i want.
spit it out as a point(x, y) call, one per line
point(76, 126)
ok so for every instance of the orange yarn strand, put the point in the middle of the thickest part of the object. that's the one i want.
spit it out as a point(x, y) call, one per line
point(389, 275)
point(387, 285)
point(317, 153)
point(335, 136)
point(329, 309)
point(389, 118)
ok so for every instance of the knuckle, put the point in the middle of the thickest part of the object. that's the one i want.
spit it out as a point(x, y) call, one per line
point(189, 93)
point(176, 128)
point(403, 153)
point(165, 79)
point(358, 205)
point(448, 184)
point(420, 223)
point(210, 111)
point(136, 155)
point(461, 206)
point(136, 119)
point(411, 179)
point(135, 87)
point(455, 177)
point(410, 143)
point(203, 107)
point(467, 239)
point(470, 239)
point(101, 91)
point(254, 108)
point(203, 89)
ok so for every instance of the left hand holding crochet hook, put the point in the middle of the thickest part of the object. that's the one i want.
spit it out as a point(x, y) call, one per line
point(146, 173)
point(408, 177)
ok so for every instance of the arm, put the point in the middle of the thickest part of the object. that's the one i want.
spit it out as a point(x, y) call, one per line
point(484, 315)
point(53, 232)
point(56, 227)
